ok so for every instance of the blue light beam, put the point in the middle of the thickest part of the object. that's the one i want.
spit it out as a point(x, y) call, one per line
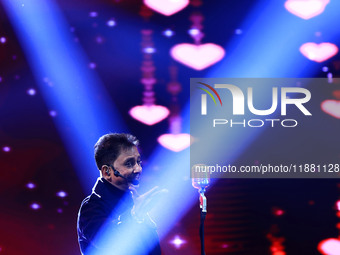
point(70, 88)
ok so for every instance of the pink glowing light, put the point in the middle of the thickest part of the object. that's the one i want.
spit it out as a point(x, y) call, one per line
point(330, 77)
point(6, 149)
point(149, 50)
point(318, 52)
point(35, 206)
point(111, 23)
point(93, 14)
point(166, 7)
point(338, 205)
point(61, 194)
point(306, 9)
point(194, 31)
point(329, 246)
point(278, 212)
point(279, 253)
point(31, 92)
point(30, 185)
point(168, 33)
point(177, 242)
point(197, 57)
point(53, 113)
point(149, 114)
point(92, 65)
point(331, 107)
point(175, 142)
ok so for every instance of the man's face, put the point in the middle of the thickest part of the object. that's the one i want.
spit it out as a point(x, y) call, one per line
point(128, 164)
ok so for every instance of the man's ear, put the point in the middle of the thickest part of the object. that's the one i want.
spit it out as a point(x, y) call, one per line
point(106, 172)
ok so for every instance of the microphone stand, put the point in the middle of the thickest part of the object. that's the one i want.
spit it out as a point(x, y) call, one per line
point(203, 206)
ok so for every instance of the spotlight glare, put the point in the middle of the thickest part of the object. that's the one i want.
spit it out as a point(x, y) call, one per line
point(30, 185)
point(177, 242)
point(61, 194)
point(149, 50)
point(329, 246)
point(53, 113)
point(238, 31)
point(168, 33)
point(35, 206)
point(31, 92)
point(6, 149)
point(92, 65)
point(194, 31)
point(279, 212)
point(93, 14)
point(338, 205)
point(111, 23)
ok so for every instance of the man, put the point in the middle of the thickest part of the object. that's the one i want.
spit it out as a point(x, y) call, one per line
point(114, 219)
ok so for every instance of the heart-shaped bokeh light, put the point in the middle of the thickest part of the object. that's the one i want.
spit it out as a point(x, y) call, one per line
point(306, 9)
point(175, 142)
point(166, 7)
point(319, 52)
point(149, 114)
point(197, 57)
point(330, 246)
point(331, 107)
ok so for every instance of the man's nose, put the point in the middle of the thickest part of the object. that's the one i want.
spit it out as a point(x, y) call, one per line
point(137, 169)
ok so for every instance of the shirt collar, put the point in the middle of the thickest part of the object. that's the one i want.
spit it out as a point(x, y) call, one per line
point(110, 193)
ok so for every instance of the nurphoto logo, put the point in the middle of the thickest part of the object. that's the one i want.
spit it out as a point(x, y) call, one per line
point(302, 95)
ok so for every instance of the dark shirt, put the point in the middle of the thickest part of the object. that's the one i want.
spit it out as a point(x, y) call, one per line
point(106, 212)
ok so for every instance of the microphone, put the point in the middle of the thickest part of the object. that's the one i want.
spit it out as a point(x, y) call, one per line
point(201, 180)
point(200, 177)
point(118, 174)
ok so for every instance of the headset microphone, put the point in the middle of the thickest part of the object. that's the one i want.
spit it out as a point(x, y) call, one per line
point(118, 174)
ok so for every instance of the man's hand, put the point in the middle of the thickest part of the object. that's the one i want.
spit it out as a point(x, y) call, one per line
point(144, 203)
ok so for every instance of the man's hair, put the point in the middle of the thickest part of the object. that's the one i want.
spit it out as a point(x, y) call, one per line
point(109, 146)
